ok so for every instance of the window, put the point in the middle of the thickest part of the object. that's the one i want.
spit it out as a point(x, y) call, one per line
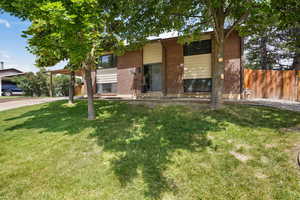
point(197, 85)
point(107, 61)
point(106, 88)
point(198, 47)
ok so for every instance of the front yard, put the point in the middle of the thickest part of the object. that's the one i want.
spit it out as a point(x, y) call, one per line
point(131, 152)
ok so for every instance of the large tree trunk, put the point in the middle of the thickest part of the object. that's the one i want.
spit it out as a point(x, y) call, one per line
point(89, 87)
point(218, 72)
point(71, 87)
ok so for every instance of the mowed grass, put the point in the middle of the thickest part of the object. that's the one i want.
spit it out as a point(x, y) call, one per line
point(132, 152)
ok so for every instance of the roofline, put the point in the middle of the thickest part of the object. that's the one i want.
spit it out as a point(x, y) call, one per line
point(172, 38)
point(7, 69)
point(13, 75)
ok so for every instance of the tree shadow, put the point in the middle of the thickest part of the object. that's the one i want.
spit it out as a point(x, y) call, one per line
point(143, 140)
point(144, 143)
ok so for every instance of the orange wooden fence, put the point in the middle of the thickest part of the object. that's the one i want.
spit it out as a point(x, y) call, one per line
point(272, 84)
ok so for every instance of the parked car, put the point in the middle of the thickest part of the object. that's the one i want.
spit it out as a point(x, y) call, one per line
point(10, 89)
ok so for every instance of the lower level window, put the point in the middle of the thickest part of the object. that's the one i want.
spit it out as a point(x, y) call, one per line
point(106, 87)
point(197, 85)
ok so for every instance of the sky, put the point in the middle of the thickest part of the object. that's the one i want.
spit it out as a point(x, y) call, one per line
point(13, 50)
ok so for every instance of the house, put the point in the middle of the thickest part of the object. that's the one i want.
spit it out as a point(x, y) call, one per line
point(165, 68)
point(6, 74)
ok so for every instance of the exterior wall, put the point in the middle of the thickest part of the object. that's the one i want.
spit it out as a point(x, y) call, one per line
point(232, 58)
point(129, 73)
point(197, 66)
point(152, 53)
point(174, 66)
point(129, 68)
point(106, 75)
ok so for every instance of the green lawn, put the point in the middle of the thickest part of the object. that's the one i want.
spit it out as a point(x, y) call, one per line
point(131, 152)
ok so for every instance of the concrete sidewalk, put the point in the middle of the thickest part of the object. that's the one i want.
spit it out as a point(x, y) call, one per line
point(27, 102)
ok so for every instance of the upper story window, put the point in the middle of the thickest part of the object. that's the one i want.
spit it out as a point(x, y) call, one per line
point(198, 47)
point(107, 61)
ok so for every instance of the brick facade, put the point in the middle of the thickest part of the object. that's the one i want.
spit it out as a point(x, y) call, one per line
point(232, 57)
point(129, 69)
point(173, 66)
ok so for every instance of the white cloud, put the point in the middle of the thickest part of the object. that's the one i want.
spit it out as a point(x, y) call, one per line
point(5, 23)
point(4, 56)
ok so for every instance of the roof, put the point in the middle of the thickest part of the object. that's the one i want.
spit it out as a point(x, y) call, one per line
point(10, 72)
point(65, 71)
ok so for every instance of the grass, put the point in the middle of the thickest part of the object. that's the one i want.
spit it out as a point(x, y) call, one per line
point(131, 152)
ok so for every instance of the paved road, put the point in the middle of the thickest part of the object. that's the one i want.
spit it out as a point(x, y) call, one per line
point(27, 102)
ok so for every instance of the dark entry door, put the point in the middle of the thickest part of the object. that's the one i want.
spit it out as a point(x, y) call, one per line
point(152, 77)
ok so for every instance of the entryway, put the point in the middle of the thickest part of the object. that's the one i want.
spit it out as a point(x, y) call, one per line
point(152, 78)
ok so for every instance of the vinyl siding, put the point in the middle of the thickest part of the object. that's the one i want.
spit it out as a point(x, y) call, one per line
point(107, 75)
point(152, 53)
point(197, 66)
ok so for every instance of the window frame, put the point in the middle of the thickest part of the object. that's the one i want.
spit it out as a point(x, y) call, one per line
point(112, 60)
point(197, 90)
point(189, 49)
point(112, 88)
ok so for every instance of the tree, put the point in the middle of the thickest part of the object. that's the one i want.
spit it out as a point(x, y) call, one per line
point(190, 18)
point(289, 18)
point(270, 49)
point(73, 30)
point(34, 84)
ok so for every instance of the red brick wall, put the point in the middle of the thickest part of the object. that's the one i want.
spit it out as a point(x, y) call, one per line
point(232, 57)
point(173, 60)
point(129, 68)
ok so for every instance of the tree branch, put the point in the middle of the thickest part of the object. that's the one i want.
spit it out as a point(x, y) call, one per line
point(236, 23)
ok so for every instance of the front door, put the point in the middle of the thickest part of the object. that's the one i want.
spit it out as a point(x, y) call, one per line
point(152, 78)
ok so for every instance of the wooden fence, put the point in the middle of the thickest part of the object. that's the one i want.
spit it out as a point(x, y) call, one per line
point(272, 84)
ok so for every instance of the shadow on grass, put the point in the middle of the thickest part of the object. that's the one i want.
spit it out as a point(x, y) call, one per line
point(143, 139)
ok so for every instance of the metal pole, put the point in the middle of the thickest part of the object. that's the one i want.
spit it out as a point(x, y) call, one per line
point(0, 86)
point(51, 87)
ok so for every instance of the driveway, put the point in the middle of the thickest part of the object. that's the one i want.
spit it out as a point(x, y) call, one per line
point(17, 103)
point(281, 104)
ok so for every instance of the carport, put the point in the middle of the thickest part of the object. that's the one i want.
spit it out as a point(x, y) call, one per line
point(78, 91)
point(6, 73)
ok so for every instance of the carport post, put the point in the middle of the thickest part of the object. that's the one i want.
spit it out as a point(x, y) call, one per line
point(0, 86)
point(50, 85)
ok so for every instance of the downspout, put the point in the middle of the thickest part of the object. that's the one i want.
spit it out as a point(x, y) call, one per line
point(164, 76)
point(242, 60)
point(0, 86)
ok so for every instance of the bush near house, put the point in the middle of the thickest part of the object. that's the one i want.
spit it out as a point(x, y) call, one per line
point(33, 84)
point(61, 84)
point(131, 152)
point(38, 84)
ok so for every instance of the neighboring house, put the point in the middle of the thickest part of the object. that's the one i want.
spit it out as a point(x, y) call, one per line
point(166, 68)
point(7, 73)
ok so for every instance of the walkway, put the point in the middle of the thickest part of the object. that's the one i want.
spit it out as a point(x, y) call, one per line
point(27, 102)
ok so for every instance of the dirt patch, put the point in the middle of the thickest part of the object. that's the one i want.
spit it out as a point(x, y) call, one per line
point(260, 175)
point(241, 157)
point(290, 129)
point(243, 146)
point(270, 145)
